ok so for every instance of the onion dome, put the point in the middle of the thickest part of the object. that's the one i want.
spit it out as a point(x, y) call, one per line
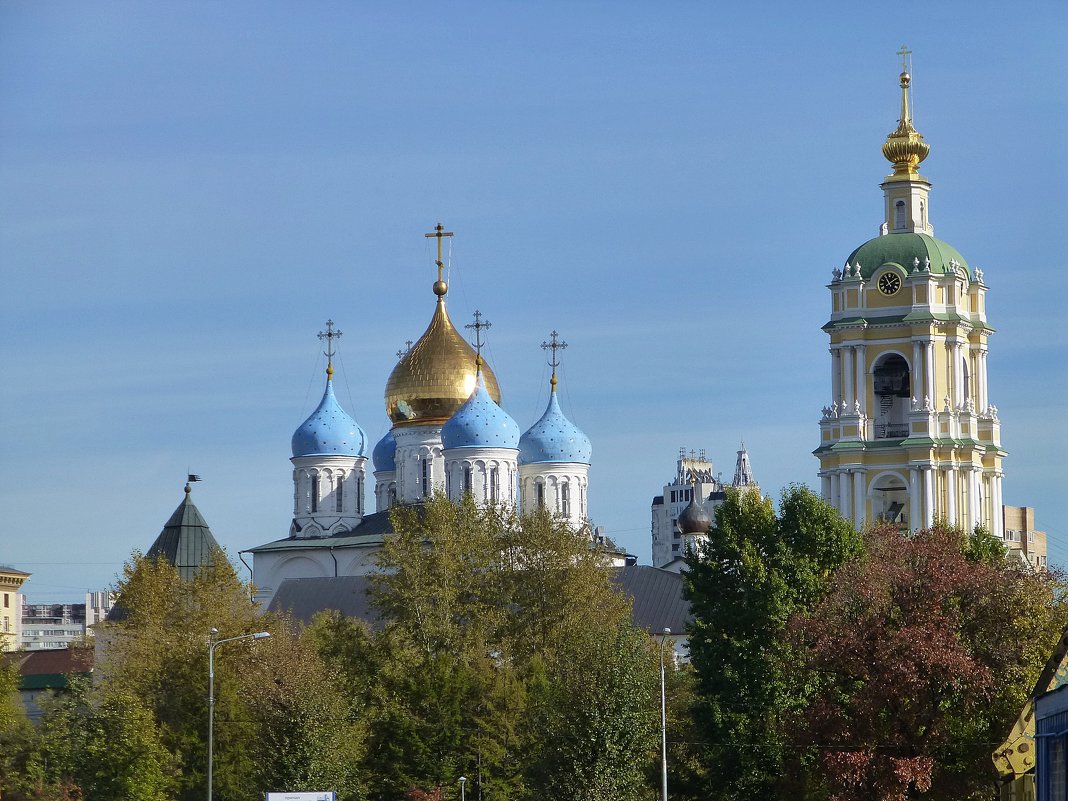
point(437, 374)
point(480, 423)
point(329, 431)
point(384, 455)
point(694, 519)
point(554, 438)
point(909, 251)
point(904, 147)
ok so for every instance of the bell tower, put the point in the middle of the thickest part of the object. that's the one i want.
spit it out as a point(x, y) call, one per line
point(910, 435)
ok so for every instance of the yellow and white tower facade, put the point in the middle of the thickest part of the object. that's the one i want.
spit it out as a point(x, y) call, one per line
point(910, 435)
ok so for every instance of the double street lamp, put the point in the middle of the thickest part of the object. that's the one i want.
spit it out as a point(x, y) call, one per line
point(212, 645)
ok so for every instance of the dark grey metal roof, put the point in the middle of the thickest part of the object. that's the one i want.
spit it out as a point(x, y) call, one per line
point(302, 598)
point(370, 531)
point(657, 598)
point(655, 593)
point(186, 541)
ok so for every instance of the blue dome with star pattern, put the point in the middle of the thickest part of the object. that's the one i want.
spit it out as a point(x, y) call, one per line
point(554, 438)
point(480, 423)
point(329, 431)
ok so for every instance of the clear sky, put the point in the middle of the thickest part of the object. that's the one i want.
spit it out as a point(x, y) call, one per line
point(189, 190)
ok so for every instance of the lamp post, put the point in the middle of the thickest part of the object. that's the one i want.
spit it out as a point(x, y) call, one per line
point(463, 780)
point(212, 645)
point(663, 720)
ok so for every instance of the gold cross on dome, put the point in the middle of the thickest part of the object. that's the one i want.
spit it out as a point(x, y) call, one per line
point(553, 345)
point(438, 233)
point(904, 52)
point(329, 335)
point(479, 326)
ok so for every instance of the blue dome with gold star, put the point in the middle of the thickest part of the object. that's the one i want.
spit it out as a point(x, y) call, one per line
point(554, 438)
point(480, 423)
point(329, 431)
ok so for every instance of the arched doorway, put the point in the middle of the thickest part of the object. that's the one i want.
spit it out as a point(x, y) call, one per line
point(892, 388)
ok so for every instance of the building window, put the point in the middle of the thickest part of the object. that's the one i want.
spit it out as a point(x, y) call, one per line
point(495, 481)
point(467, 478)
point(426, 476)
point(359, 494)
point(565, 499)
point(338, 496)
point(315, 494)
point(7, 601)
point(539, 495)
point(392, 497)
point(1030, 536)
point(899, 214)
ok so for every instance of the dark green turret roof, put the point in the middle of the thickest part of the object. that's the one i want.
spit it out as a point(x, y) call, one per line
point(186, 541)
point(901, 249)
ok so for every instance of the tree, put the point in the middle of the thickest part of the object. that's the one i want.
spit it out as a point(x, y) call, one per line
point(501, 633)
point(917, 659)
point(756, 570)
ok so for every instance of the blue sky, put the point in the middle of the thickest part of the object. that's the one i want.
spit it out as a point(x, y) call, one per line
point(189, 190)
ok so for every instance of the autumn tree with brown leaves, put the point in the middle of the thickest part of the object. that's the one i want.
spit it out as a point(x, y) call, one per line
point(917, 661)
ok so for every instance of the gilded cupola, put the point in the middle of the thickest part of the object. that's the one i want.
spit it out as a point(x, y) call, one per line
point(904, 147)
point(437, 375)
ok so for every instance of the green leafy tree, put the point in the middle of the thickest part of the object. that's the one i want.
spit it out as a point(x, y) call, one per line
point(755, 571)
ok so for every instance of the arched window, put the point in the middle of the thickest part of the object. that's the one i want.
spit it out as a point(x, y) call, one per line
point(338, 496)
point(495, 484)
point(467, 478)
point(892, 388)
point(899, 214)
point(539, 495)
point(359, 494)
point(565, 499)
point(315, 494)
point(425, 478)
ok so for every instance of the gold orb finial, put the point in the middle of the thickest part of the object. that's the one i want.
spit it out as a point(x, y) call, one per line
point(904, 147)
point(440, 288)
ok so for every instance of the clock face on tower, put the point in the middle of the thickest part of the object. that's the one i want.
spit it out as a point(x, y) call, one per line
point(889, 283)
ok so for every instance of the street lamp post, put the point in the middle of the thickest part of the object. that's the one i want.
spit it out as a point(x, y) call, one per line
point(663, 721)
point(463, 780)
point(212, 645)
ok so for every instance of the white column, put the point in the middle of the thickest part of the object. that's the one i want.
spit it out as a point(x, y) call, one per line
point(974, 511)
point(825, 487)
point(845, 502)
point(928, 496)
point(848, 375)
point(861, 379)
point(836, 491)
point(983, 401)
point(958, 374)
point(915, 500)
point(929, 365)
point(997, 519)
point(952, 494)
point(916, 373)
point(836, 375)
point(859, 496)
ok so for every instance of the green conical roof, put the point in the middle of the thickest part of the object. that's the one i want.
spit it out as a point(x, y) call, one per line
point(186, 541)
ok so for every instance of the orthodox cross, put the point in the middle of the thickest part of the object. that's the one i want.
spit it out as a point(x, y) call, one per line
point(439, 232)
point(904, 52)
point(553, 345)
point(479, 326)
point(404, 351)
point(329, 335)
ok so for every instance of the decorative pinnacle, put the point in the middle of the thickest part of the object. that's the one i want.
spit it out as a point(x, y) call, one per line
point(904, 147)
point(329, 335)
point(440, 287)
point(479, 326)
point(553, 345)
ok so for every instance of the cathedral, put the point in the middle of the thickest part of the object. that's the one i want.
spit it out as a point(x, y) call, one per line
point(449, 434)
point(910, 435)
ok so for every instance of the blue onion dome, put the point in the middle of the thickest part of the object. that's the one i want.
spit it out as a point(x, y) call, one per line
point(554, 438)
point(480, 423)
point(384, 455)
point(329, 431)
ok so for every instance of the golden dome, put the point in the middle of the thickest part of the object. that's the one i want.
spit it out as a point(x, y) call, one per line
point(904, 147)
point(435, 377)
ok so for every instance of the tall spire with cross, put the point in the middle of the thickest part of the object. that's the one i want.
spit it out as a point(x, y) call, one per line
point(439, 233)
point(555, 345)
point(904, 147)
point(329, 335)
point(479, 325)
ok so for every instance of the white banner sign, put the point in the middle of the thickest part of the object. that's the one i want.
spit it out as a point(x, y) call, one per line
point(331, 796)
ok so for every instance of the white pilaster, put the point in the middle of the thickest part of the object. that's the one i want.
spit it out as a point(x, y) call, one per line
point(861, 385)
point(825, 487)
point(859, 497)
point(928, 496)
point(929, 372)
point(845, 502)
point(915, 500)
point(952, 494)
point(848, 372)
point(836, 491)
point(836, 375)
